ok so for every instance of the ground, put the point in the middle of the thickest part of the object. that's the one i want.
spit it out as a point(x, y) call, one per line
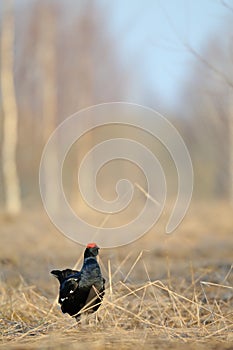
point(162, 291)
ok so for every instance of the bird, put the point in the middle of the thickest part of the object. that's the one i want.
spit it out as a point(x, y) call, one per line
point(81, 291)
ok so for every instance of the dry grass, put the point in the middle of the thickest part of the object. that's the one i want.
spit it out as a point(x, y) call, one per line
point(130, 314)
point(189, 306)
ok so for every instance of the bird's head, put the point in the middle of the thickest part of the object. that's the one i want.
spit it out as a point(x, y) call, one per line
point(91, 250)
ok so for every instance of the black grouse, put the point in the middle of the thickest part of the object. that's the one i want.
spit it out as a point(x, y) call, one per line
point(82, 289)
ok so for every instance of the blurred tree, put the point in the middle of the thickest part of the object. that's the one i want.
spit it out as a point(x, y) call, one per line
point(10, 112)
point(208, 91)
point(48, 69)
point(66, 59)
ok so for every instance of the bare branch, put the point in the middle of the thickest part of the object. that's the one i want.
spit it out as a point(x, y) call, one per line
point(194, 52)
point(227, 5)
point(208, 64)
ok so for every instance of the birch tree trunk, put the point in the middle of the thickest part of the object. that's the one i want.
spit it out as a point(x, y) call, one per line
point(10, 112)
point(47, 60)
point(231, 147)
point(85, 94)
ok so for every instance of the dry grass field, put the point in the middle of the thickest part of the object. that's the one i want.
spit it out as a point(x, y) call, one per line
point(162, 291)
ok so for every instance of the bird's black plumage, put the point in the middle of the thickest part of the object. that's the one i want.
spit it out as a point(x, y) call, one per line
point(82, 289)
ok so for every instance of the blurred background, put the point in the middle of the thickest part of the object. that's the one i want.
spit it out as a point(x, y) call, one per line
point(57, 57)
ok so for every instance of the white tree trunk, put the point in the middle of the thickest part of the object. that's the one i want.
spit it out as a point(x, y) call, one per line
point(231, 147)
point(47, 60)
point(9, 106)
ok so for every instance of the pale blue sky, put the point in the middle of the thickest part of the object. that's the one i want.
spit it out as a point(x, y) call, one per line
point(151, 32)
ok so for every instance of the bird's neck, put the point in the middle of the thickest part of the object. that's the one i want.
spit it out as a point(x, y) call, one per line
point(87, 255)
point(89, 261)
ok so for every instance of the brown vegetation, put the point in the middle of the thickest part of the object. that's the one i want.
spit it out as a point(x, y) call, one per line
point(177, 292)
point(163, 291)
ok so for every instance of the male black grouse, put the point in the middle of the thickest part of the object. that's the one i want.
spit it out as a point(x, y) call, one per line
point(82, 289)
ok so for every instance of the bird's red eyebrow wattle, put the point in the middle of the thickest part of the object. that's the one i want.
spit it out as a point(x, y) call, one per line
point(91, 245)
